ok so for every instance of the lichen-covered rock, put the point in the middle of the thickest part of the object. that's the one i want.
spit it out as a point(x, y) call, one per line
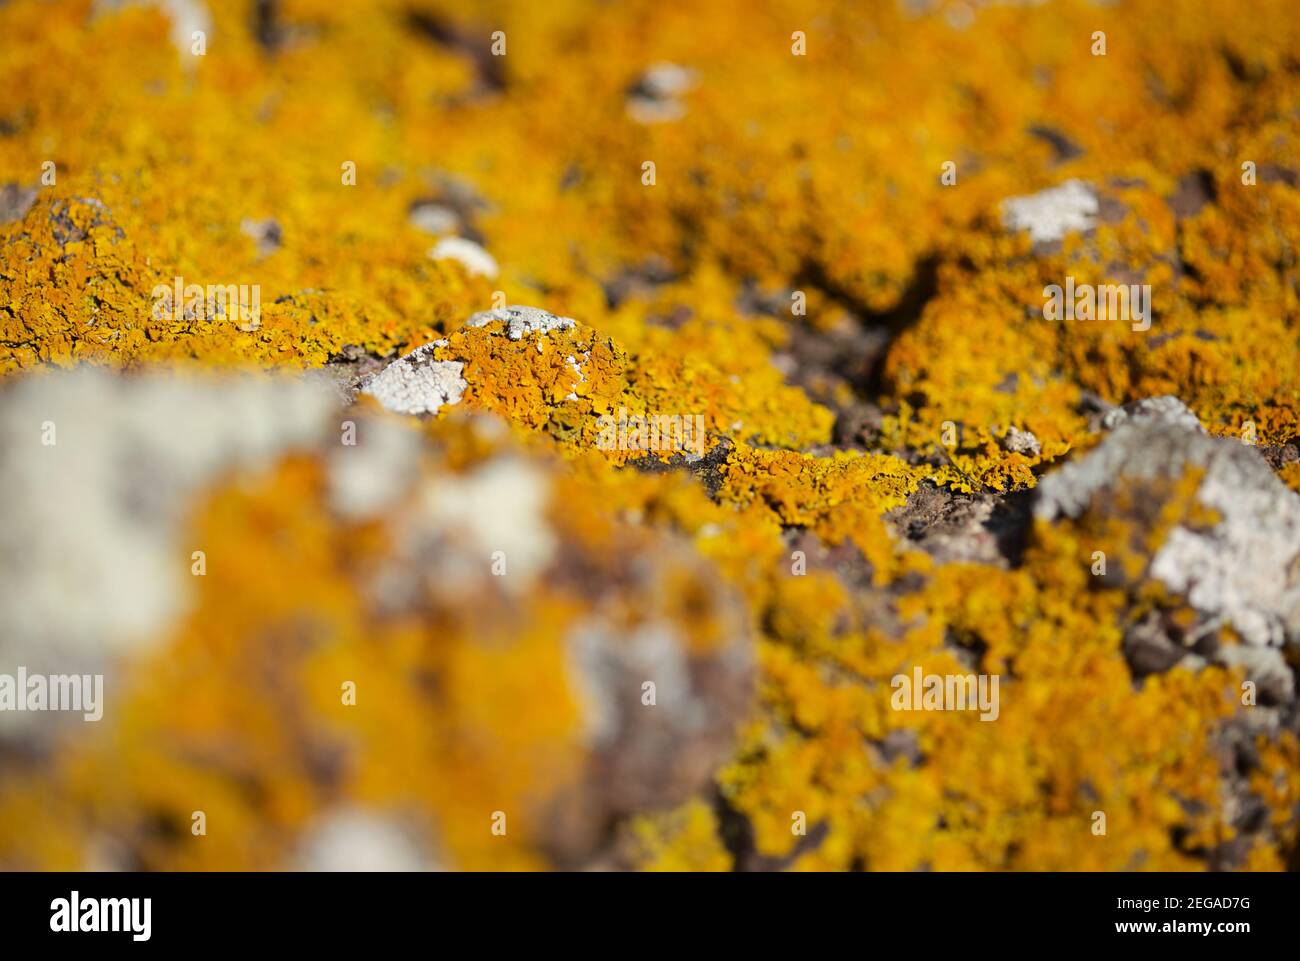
point(1241, 562)
point(380, 576)
point(451, 607)
point(93, 488)
point(1155, 410)
point(1021, 442)
point(521, 320)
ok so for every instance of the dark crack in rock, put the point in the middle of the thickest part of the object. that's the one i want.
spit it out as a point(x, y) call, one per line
point(979, 528)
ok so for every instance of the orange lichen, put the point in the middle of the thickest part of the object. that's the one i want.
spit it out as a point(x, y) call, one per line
point(795, 199)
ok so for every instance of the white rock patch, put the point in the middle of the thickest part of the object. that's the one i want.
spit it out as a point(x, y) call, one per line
point(606, 664)
point(1021, 442)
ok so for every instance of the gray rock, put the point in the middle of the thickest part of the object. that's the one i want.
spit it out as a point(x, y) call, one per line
point(15, 201)
point(1163, 410)
point(1246, 568)
point(978, 528)
point(265, 233)
point(1266, 666)
point(1021, 442)
point(435, 218)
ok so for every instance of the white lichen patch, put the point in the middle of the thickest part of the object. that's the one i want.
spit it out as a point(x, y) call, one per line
point(368, 475)
point(578, 372)
point(1266, 666)
point(607, 668)
point(417, 383)
point(434, 218)
point(1165, 410)
point(187, 17)
point(655, 98)
point(522, 320)
point(468, 254)
point(495, 513)
point(355, 839)
point(98, 473)
point(1051, 214)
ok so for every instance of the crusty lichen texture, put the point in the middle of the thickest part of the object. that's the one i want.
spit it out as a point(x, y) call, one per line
point(632, 392)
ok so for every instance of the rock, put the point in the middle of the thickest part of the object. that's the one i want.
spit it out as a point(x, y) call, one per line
point(1051, 214)
point(1278, 456)
point(368, 475)
point(97, 472)
point(1064, 148)
point(974, 528)
point(650, 747)
point(1163, 410)
point(900, 742)
point(15, 201)
point(1266, 666)
point(1246, 567)
point(653, 754)
point(1194, 191)
point(348, 370)
point(500, 507)
point(1149, 647)
point(1021, 442)
point(417, 383)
